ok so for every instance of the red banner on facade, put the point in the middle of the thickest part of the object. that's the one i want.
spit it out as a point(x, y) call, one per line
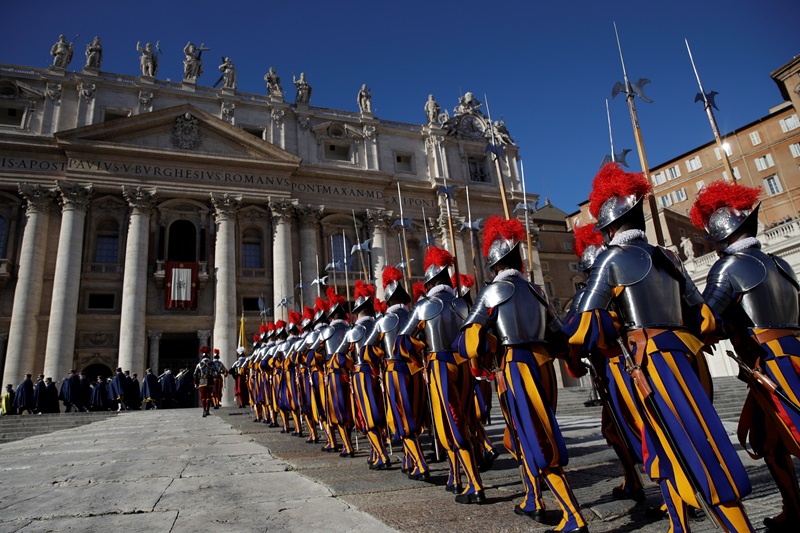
point(180, 289)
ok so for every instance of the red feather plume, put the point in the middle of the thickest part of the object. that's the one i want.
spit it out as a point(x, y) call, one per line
point(419, 290)
point(586, 236)
point(262, 328)
point(333, 298)
point(391, 274)
point(380, 306)
point(496, 226)
point(610, 181)
point(294, 317)
point(320, 305)
point(308, 313)
point(721, 194)
point(466, 280)
point(439, 257)
point(280, 324)
point(363, 289)
point(271, 326)
point(256, 337)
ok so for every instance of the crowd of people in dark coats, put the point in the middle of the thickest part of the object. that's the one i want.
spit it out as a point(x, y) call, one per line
point(121, 392)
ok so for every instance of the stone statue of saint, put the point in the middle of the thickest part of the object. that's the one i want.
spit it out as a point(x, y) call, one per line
point(62, 53)
point(229, 79)
point(364, 99)
point(467, 104)
point(303, 95)
point(148, 61)
point(94, 54)
point(274, 83)
point(432, 110)
point(688, 248)
point(501, 132)
point(192, 64)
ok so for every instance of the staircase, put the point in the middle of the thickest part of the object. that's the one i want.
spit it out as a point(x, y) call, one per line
point(18, 427)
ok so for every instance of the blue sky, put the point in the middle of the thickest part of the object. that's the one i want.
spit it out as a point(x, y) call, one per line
point(546, 68)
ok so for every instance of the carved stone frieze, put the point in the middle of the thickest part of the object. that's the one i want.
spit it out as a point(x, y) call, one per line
point(310, 214)
point(146, 100)
point(283, 210)
point(38, 199)
point(252, 214)
point(186, 132)
point(303, 123)
point(53, 91)
point(86, 90)
point(98, 339)
point(228, 109)
point(225, 205)
point(154, 334)
point(379, 218)
point(370, 131)
point(278, 115)
point(74, 196)
point(140, 200)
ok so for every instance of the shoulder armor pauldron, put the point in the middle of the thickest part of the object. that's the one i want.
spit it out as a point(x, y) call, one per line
point(388, 323)
point(746, 272)
point(356, 333)
point(326, 332)
point(460, 307)
point(429, 308)
point(786, 270)
point(498, 292)
point(630, 265)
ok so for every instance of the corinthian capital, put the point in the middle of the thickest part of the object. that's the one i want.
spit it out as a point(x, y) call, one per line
point(283, 210)
point(225, 205)
point(141, 200)
point(379, 218)
point(74, 196)
point(310, 214)
point(39, 199)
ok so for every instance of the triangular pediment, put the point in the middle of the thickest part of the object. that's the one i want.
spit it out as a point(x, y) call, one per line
point(180, 132)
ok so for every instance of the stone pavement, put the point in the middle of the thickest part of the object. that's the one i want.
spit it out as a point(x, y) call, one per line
point(173, 471)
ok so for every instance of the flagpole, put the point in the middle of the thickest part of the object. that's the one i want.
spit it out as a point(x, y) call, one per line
point(723, 154)
point(637, 134)
point(610, 134)
point(360, 251)
point(497, 162)
point(471, 238)
point(403, 226)
point(527, 217)
point(454, 251)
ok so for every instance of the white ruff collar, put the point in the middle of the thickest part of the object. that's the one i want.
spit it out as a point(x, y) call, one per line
point(441, 288)
point(744, 244)
point(395, 308)
point(507, 273)
point(629, 235)
point(339, 321)
point(364, 319)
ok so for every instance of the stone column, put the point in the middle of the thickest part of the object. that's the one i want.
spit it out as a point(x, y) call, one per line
point(225, 331)
point(379, 220)
point(154, 336)
point(60, 352)
point(309, 216)
point(283, 212)
point(134, 283)
point(21, 353)
point(204, 336)
point(3, 351)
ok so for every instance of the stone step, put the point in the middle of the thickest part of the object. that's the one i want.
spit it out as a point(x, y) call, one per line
point(18, 427)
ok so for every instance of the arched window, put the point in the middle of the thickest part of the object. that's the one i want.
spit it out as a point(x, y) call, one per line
point(106, 244)
point(182, 242)
point(252, 256)
point(417, 255)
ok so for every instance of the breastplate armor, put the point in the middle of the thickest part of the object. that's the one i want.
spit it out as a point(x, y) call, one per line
point(358, 335)
point(442, 328)
point(334, 337)
point(653, 289)
point(520, 316)
point(767, 286)
point(390, 325)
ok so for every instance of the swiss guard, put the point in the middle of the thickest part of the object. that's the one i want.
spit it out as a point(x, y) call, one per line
point(756, 294)
point(339, 406)
point(508, 326)
point(433, 327)
point(686, 449)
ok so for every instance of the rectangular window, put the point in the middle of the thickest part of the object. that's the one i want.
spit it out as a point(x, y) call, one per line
point(545, 266)
point(106, 249)
point(567, 246)
point(700, 184)
point(736, 174)
point(11, 116)
point(789, 124)
point(755, 138)
point(477, 170)
point(337, 152)
point(673, 172)
point(548, 287)
point(250, 304)
point(693, 164)
point(773, 185)
point(111, 113)
point(659, 178)
point(665, 200)
point(764, 162)
point(728, 151)
point(795, 149)
point(574, 267)
point(403, 162)
point(255, 132)
point(251, 255)
point(679, 195)
point(101, 301)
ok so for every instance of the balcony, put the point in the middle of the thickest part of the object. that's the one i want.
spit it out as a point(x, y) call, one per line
point(160, 273)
